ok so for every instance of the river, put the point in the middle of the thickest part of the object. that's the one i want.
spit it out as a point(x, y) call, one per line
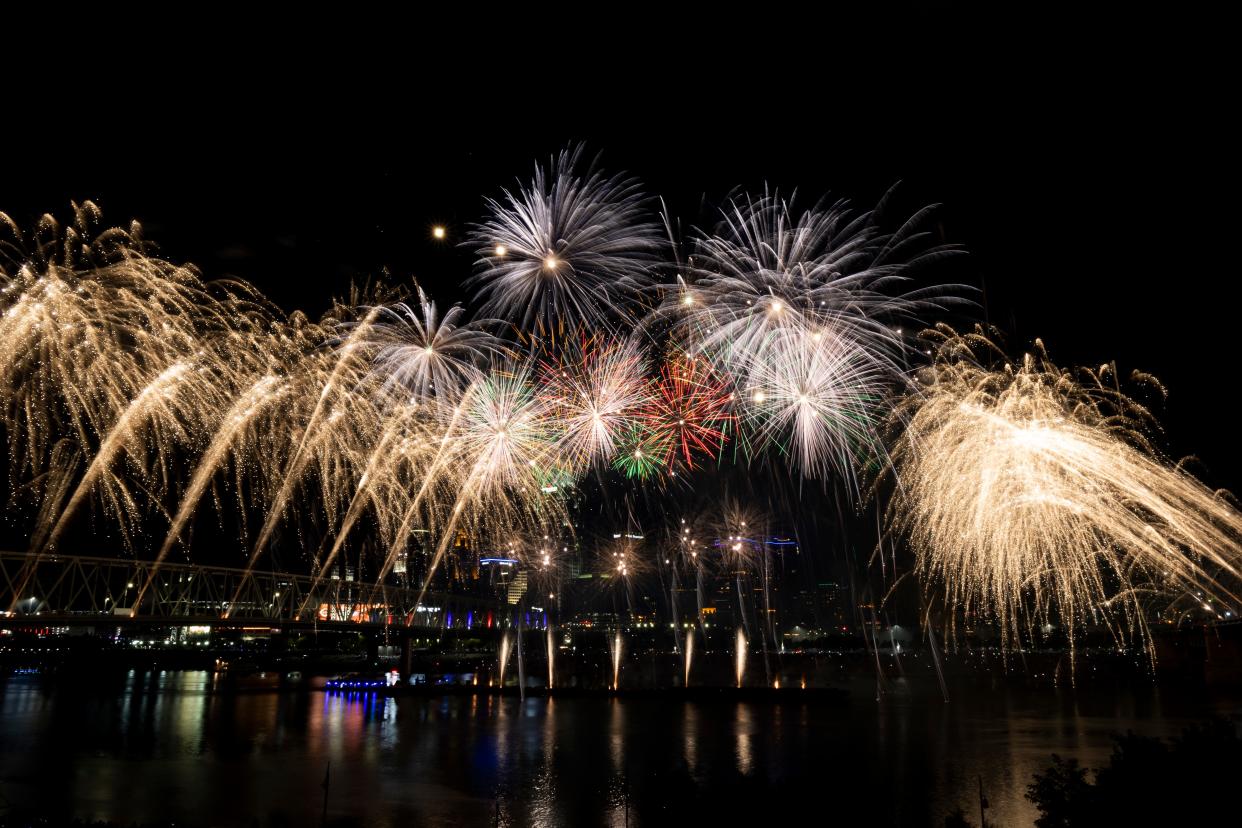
point(162, 746)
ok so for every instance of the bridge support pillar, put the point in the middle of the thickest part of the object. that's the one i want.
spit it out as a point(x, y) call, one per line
point(406, 663)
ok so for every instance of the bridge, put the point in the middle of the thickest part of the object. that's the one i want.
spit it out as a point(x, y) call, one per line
point(71, 590)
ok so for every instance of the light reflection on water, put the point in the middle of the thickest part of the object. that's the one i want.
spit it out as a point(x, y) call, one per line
point(742, 727)
point(149, 746)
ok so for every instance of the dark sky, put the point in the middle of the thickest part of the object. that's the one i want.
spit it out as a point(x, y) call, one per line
point(1087, 168)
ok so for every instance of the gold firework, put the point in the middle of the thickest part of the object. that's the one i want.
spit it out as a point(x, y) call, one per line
point(1032, 496)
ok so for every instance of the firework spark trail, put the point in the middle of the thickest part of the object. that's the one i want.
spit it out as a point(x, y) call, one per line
point(504, 433)
point(261, 396)
point(698, 594)
point(310, 433)
point(144, 406)
point(406, 431)
point(141, 408)
point(90, 323)
point(102, 338)
point(423, 356)
point(689, 410)
point(816, 399)
point(507, 430)
point(432, 477)
point(622, 564)
point(412, 510)
point(616, 661)
point(689, 539)
point(739, 655)
point(780, 335)
point(642, 453)
point(673, 564)
point(551, 656)
point(543, 562)
point(504, 657)
point(571, 245)
point(674, 610)
point(594, 390)
point(357, 504)
point(1031, 495)
point(801, 310)
point(404, 349)
point(521, 663)
point(689, 657)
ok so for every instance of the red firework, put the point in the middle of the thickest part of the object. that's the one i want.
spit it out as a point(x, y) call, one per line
point(690, 409)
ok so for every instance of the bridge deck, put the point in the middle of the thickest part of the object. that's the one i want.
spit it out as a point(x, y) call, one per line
point(77, 589)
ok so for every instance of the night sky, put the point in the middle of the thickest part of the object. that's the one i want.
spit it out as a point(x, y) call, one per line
point(1086, 161)
point(1083, 167)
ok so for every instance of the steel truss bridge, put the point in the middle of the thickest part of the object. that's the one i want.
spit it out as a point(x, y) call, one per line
point(60, 590)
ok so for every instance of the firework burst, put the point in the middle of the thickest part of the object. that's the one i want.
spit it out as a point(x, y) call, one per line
point(421, 354)
point(1032, 496)
point(642, 453)
point(802, 311)
point(816, 398)
point(505, 431)
point(690, 410)
point(569, 246)
point(113, 360)
point(122, 370)
point(594, 389)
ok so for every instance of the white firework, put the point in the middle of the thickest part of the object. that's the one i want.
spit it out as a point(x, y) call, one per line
point(422, 355)
point(1032, 495)
point(803, 310)
point(504, 434)
point(595, 391)
point(815, 396)
point(568, 248)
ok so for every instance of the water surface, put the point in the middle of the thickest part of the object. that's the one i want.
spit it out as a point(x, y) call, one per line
point(163, 746)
